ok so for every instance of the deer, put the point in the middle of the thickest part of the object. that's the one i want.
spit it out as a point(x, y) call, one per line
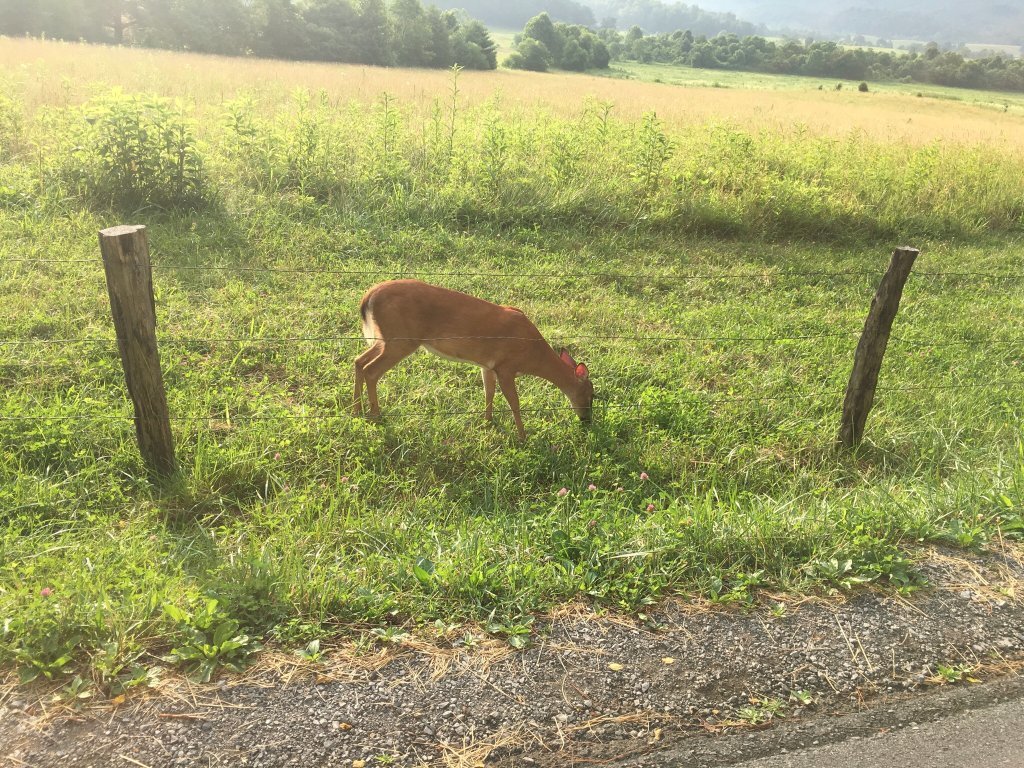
point(400, 316)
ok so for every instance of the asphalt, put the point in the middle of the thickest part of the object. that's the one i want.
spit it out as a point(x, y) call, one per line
point(986, 738)
point(961, 726)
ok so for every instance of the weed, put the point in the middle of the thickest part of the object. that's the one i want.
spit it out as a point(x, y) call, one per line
point(762, 711)
point(953, 673)
point(210, 639)
point(138, 151)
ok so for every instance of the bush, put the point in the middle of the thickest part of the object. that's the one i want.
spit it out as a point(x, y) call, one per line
point(532, 56)
point(138, 151)
point(863, 87)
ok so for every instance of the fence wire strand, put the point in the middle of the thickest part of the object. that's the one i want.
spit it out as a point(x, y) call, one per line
point(710, 276)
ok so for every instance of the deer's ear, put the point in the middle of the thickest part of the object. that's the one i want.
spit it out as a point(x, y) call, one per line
point(582, 372)
point(567, 358)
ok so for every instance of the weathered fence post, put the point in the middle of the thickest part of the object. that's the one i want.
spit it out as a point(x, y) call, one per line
point(130, 285)
point(860, 392)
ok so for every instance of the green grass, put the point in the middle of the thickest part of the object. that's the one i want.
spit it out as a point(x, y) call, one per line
point(712, 460)
point(670, 74)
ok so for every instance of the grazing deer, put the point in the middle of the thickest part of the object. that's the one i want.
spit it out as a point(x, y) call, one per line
point(400, 316)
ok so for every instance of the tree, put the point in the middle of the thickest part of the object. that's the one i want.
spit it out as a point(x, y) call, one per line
point(224, 27)
point(530, 55)
point(283, 32)
point(411, 35)
point(332, 26)
point(542, 29)
point(374, 33)
point(474, 33)
point(574, 58)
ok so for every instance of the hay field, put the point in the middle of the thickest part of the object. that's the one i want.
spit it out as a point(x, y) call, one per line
point(55, 74)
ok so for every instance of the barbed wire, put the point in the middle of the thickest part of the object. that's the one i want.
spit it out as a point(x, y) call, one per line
point(185, 340)
point(430, 339)
point(710, 276)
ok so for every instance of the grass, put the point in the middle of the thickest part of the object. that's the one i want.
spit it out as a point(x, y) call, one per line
point(793, 89)
point(711, 457)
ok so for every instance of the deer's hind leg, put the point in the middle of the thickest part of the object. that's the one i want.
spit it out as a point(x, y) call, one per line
point(361, 361)
point(391, 353)
point(507, 382)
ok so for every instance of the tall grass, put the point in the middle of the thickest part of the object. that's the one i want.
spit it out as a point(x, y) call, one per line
point(484, 166)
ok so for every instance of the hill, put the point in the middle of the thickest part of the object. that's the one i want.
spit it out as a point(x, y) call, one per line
point(986, 21)
point(504, 15)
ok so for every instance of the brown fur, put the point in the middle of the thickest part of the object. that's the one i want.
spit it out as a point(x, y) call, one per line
point(400, 316)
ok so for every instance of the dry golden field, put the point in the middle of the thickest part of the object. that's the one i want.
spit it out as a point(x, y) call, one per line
point(54, 73)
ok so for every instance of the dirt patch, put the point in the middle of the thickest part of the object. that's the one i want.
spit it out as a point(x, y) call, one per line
point(592, 690)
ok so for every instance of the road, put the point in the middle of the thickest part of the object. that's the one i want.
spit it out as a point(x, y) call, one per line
point(985, 738)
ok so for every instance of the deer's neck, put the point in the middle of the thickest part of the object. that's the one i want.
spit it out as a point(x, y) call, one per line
point(551, 368)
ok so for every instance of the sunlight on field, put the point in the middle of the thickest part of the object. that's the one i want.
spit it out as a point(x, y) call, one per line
point(54, 74)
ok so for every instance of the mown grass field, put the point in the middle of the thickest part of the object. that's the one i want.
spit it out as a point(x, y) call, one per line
point(712, 266)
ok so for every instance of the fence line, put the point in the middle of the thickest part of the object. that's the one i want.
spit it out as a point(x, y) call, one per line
point(185, 340)
point(709, 276)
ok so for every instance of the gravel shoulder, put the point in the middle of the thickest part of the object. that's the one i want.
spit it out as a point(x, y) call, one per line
point(694, 686)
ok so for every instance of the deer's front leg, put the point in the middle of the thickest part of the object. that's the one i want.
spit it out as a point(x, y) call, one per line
point(490, 380)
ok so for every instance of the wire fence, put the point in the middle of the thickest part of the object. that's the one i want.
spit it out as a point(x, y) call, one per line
point(635, 276)
point(709, 276)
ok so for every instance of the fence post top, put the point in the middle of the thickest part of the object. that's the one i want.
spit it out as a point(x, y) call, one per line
point(122, 230)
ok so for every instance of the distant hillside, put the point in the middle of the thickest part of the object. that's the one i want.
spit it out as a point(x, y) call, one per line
point(654, 16)
point(975, 21)
point(504, 14)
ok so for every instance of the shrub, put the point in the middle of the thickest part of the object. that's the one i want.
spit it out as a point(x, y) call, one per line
point(863, 87)
point(532, 56)
point(137, 151)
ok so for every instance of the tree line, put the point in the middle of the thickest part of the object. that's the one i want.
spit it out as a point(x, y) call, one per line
point(655, 16)
point(503, 14)
point(545, 44)
point(818, 59)
point(401, 33)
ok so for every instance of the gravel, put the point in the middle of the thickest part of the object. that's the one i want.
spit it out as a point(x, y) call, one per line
point(590, 687)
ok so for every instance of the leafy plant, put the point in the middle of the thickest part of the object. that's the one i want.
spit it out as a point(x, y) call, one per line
point(210, 640)
point(138, 151)
point(953, 673)
point(762, 711)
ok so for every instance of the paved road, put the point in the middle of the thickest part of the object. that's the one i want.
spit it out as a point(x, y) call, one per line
point(985, 738)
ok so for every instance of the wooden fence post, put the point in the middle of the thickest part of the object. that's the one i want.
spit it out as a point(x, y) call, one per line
point(130, 285)
point(860, 392)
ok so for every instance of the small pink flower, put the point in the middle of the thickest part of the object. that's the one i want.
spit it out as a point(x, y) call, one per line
point(277, 457)
point(563, 492)
point(45, 591)
point(650, 507)
point(620, 489)
point(591, 487)
point(344, 480)
point(592, 524)
point(644, 476)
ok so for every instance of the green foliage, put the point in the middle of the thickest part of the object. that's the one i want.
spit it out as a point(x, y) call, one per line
point(946, 674)
point(355, 31)
point(530, 55)
point(209, 639)
point(818, 59)
point(544, 44)
point(133, 152)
